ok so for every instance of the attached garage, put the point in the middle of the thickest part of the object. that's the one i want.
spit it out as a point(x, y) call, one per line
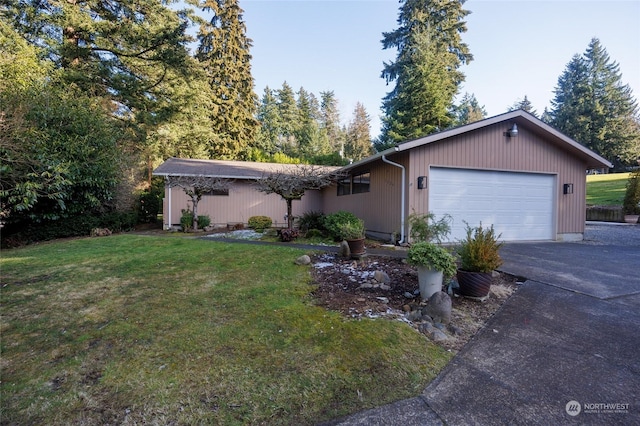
point(508, 171)
point(520, 205)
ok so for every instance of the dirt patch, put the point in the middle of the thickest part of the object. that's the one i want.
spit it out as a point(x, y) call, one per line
point(349, 287)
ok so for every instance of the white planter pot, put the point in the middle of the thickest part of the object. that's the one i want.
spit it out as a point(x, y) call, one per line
point(430, 281)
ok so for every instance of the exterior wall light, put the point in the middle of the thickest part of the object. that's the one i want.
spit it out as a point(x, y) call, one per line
point(512, 132)
point(567, 188)
point(422, 182)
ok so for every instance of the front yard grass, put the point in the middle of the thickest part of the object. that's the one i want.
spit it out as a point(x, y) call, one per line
point(606, 189)
point(152, 330)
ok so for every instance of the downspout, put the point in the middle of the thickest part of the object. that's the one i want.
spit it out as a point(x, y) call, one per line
point(169, 204)
point(403, 197)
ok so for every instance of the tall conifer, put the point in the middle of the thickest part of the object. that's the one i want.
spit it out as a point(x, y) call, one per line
point(594, 107)
point(426, 75)
point(223, 51)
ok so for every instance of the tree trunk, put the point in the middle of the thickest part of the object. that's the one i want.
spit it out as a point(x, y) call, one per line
point(195, 201)
point(289, 214)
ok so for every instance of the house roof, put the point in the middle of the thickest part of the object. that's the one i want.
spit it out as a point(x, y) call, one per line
point(222, 168)
point(252, 170)
point(519, 117)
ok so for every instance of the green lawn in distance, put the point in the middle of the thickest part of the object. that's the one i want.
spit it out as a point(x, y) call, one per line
point(606, 189)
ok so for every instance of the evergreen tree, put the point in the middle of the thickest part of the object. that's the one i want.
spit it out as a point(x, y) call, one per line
point(59, 152)
point(594, 107)
point(469, 110)
point(358, 144)
point(425, 71)
point(525, 105)
point(223, 51)
point(330, 120)
point(311, 140)
point(288, 110)
point(269, 119)
point(117, 50)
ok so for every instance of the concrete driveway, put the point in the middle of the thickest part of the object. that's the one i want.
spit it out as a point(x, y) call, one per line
point(565, 349)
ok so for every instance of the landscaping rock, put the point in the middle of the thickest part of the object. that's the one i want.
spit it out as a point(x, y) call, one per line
point(345, 251)
point(303, 260)
point(414, 316)
point(381, 277)
point(438, 336)
point(439, 307)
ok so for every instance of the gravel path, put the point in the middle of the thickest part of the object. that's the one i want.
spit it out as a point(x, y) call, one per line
point(612, 234)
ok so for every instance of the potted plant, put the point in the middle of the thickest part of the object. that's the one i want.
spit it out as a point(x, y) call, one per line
point(425, 227)
point(353, 232)
point(479, 257)
point(434, 263)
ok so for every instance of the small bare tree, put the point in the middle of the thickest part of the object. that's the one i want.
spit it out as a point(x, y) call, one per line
point(291, 184)
point(197, 186)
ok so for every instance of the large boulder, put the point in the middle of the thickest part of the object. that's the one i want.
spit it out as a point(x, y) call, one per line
point(439, 307)
point(303, 260)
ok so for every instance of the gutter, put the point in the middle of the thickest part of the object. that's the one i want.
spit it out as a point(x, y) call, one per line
point(402, 236)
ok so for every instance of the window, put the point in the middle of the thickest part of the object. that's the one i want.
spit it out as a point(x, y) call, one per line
point(217, 192)
point(355, 184)
point(344, 186)
point(361, 183)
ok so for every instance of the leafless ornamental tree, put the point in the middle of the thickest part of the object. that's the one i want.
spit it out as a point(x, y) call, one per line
point(291, 184)
point(197, 186)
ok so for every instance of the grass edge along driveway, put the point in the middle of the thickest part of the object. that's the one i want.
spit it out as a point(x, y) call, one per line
point(135, 329)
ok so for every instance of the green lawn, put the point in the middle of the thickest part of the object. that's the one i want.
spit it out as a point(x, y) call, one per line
point(606, 189)
point(154, 330)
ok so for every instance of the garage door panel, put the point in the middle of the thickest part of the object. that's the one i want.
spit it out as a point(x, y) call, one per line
point(519, 205)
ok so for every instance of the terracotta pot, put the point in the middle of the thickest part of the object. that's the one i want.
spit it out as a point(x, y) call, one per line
point(631, 218)
point(356, 247)
point(474, 284)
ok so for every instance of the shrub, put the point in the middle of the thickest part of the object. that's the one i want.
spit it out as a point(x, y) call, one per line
point(203, 221)
point(631, 202)
point(74, 226)
point(149, 202)
point(287, 235)
point(479, 251)
point(186, 220)
point(352, 230)
point(314, 234)
point(424, 227)
point(260, 223)
point(334, 221)
point(312, 220)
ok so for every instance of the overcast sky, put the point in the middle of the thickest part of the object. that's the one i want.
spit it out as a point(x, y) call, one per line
point(519, 47)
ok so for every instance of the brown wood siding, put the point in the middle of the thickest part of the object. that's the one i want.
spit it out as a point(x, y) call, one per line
point(488, 148)
point(242, 202)
point(380, 207)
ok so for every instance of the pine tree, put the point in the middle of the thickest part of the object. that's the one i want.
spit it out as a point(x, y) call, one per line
point(525, 105)
point(358, 144)
point(469, 110)
point(223, 51)
point(425, 71)
point(594, 107)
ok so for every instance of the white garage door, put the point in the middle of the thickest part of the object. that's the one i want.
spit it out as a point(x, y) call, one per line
point(519, 205)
